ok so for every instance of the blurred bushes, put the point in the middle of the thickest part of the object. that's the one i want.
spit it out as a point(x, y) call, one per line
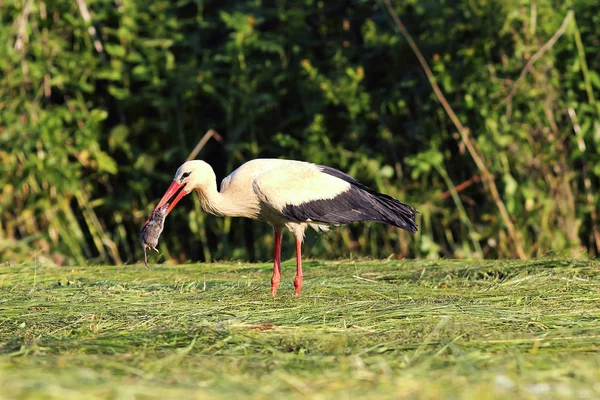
point(94, 123)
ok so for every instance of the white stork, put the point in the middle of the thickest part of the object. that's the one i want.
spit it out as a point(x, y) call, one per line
point(287, 193)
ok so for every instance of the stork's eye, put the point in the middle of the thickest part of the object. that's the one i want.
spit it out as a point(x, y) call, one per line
point(185, 175)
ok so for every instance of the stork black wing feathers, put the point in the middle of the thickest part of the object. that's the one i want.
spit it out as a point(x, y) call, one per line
point(358, 203)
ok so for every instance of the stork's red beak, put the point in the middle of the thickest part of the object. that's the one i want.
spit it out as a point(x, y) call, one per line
point(171, 197)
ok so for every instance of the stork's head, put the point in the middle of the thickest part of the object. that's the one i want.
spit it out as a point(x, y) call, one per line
point(191, 175)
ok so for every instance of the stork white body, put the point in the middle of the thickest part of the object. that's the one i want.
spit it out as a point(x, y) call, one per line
point(287, 193)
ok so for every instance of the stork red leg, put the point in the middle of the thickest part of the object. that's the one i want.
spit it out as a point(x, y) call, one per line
point(276, 264)
point(298, 278)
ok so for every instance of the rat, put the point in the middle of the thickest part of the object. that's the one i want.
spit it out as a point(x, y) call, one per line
point(152, 230)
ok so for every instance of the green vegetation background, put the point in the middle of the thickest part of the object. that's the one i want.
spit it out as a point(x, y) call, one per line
point(94, 122)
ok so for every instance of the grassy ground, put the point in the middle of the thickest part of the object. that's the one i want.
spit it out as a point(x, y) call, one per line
point(424, 329)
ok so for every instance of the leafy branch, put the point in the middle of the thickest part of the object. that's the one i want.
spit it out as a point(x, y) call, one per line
point(464, 134)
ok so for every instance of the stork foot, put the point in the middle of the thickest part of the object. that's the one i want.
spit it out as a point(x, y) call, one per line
point(298, 284)
point(275, 283)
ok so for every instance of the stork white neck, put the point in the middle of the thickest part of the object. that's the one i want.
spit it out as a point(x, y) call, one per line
point(212, 201)
point(228, 204)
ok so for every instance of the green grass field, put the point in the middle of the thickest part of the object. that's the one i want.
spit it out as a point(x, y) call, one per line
point(377, 329)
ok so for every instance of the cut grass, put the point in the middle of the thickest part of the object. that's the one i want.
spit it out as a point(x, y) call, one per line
point(378, 329)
